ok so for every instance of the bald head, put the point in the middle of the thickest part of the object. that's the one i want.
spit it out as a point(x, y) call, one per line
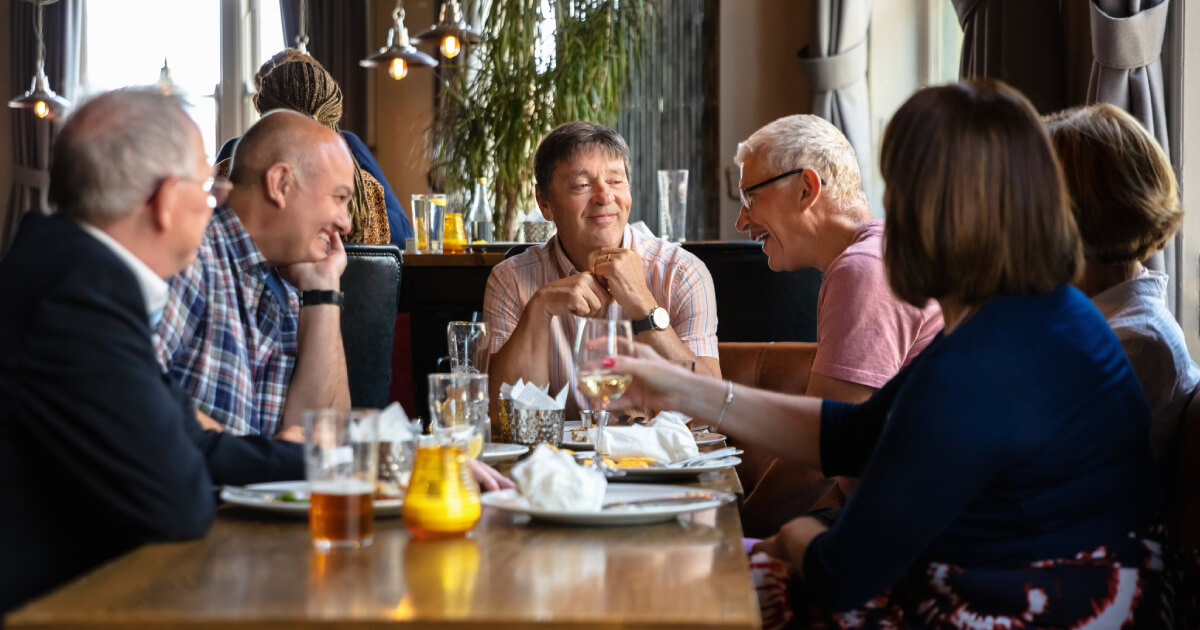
point(281, 136)
point(115, 150)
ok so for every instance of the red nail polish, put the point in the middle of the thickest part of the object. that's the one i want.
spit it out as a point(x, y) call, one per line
point(608, 362)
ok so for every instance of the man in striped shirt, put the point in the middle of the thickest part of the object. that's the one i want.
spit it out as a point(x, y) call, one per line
point(595, 265)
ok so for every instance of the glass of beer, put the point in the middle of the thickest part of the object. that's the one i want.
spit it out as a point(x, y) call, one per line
point(342, 459)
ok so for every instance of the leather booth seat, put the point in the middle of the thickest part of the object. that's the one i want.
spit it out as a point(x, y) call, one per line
point(776, 489)
point(371, 283)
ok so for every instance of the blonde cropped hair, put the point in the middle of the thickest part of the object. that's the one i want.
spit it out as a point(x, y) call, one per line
point(976, 205)
point(807, 141)
point(1123, 191)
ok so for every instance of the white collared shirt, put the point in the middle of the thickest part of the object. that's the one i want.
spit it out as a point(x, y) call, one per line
point(154, 288)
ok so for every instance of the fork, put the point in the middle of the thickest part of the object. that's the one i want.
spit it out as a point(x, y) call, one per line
point(720, 453)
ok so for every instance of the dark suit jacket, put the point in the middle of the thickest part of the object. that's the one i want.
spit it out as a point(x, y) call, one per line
point(99, 451)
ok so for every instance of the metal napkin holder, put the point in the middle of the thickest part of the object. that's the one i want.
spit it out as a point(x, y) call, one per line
point(530, 426)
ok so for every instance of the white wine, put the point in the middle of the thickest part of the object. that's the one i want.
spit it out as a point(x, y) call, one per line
point(604, 385)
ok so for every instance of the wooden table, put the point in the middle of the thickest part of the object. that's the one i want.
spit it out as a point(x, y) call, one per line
point(255, 570)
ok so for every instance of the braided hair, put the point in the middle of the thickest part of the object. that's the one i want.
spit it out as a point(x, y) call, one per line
point(303, 85)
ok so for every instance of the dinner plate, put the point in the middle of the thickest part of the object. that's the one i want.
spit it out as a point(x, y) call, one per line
point(498, 452)
point(702, 439)
point(268, 497)
point(668, 474)
point(511, 501)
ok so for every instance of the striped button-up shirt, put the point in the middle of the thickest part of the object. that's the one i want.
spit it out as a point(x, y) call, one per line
point(679, 282)
point(228, 331)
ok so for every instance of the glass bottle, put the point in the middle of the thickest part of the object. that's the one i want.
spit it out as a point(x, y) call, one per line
point(479, 220)
point(442, 499)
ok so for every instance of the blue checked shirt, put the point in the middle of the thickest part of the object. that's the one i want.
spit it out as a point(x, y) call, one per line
point(228, 332)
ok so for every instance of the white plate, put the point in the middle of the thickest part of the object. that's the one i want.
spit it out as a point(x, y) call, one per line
point(510, 501)
point(498, 452)
point(702, 439)
point(262, 496)
point(670, 474)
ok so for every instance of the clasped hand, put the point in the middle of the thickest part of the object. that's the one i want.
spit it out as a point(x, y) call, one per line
point(322, 275)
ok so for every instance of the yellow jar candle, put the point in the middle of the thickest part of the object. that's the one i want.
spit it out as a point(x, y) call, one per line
point(442, 498)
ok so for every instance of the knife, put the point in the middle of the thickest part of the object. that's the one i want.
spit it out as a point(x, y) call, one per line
point(690, 497)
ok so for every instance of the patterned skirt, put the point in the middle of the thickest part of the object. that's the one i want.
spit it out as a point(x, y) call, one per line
point(1125, 585)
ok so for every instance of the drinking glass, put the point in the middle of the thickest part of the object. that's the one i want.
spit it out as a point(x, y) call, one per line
point(672, 204)
point(454, 233)
point(458, 409)
point(428, 212)
point(597, 339)
point(469, 348)
point(341, 458)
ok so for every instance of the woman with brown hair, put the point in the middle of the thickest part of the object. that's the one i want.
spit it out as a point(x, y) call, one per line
point(1006, 478)
point(1125, 200)
point(296, 81)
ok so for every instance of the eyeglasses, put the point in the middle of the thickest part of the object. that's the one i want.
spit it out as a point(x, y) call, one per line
point(745, 192)
point(217, 189)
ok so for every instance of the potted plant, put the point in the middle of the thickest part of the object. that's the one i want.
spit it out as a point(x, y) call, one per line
point(542, 63)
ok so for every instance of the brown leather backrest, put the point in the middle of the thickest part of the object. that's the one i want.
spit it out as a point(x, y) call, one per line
point(1187, 485)
point(775, 366)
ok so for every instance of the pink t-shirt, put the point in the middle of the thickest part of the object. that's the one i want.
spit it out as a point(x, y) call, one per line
point(865, 334)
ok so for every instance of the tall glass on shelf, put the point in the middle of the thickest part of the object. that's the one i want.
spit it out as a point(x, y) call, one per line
point(672, 204)
point(479, 220)
point(597, 339)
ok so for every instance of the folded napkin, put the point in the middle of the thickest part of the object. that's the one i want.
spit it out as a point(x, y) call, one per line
point(394, 425)
point(551, 480)
point(529, 396)
point(667, 439)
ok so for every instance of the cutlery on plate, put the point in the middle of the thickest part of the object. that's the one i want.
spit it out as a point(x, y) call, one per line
point(720, 453)
point(690, 497)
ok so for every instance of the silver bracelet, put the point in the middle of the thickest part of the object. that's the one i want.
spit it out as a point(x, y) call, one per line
point(728, 399)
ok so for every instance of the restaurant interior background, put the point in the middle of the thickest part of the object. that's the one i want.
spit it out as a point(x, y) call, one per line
point(757, 77)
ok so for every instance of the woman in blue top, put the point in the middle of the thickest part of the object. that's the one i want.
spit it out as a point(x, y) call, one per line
point(1006, 478)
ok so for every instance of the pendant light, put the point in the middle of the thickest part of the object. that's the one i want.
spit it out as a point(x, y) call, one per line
point(40, 98)
point(302, 34)
point(165, 84)
point(451, 30)
point(399, 53)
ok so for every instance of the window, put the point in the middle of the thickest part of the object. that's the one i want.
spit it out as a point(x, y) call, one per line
point(126, 41)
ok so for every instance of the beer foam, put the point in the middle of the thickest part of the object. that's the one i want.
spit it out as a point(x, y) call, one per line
point(341, 486)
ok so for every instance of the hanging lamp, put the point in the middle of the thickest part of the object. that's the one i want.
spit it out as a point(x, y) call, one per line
point(302, 34)
point(451, 30)
point(399, 53)
point(40, 98)
point(166, 85)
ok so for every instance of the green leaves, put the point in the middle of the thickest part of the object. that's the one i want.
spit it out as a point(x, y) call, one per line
point(516, 87)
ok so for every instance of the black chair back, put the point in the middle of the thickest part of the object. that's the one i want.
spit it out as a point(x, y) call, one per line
point(371, 283)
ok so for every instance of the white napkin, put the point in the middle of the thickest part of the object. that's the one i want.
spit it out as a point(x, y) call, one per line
point(667, 439)
point(551, 480)
point(529, 396)
point(394, 425)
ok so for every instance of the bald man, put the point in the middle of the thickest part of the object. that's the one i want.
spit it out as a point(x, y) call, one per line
point(252, 329)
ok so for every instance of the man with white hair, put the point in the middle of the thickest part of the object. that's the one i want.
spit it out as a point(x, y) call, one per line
point(802, 198)
point(99, 450)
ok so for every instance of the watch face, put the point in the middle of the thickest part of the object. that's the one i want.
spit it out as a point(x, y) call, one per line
point(659, 318)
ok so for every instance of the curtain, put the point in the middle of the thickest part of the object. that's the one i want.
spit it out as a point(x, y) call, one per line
point(337, 37)
point(33, 137)
point(1127, 43)
point(835, 65)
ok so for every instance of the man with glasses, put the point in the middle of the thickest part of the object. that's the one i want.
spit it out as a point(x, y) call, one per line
point(252, 329)
point(802, 198)
point(99, 450)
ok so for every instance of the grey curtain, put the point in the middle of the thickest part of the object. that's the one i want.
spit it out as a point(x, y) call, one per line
point(32, 137)
point(835, 65)
point(337, 33)
point(1127, 43)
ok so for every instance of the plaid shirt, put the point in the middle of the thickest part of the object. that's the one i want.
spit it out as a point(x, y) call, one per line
point(228, 332)
point(677, 279)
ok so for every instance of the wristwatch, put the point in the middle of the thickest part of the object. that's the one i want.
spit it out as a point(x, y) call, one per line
point(658, 319)
point(310, 298)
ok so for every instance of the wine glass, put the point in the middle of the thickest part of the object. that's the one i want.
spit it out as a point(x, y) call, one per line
point(597, 339)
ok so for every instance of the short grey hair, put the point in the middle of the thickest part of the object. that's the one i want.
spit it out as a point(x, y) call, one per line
point(115, 150)
point(807, 141)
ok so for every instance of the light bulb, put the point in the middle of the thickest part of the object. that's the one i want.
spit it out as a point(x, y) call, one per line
point(451, 46)
point(398, 70)
point(41, 110)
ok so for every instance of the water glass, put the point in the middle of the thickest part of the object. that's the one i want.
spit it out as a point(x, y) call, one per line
point(341, 457)
point(458, 409)
point(469, 347)
point(428, 214)
point(672, 204)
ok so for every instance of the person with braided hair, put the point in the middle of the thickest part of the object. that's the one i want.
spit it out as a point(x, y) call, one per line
point(294, 80)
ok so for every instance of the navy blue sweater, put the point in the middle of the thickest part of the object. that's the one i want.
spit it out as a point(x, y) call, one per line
point(1022, 435)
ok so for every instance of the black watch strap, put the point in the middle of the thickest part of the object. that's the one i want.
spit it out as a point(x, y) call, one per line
point(310, 298)
point(642, 325)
